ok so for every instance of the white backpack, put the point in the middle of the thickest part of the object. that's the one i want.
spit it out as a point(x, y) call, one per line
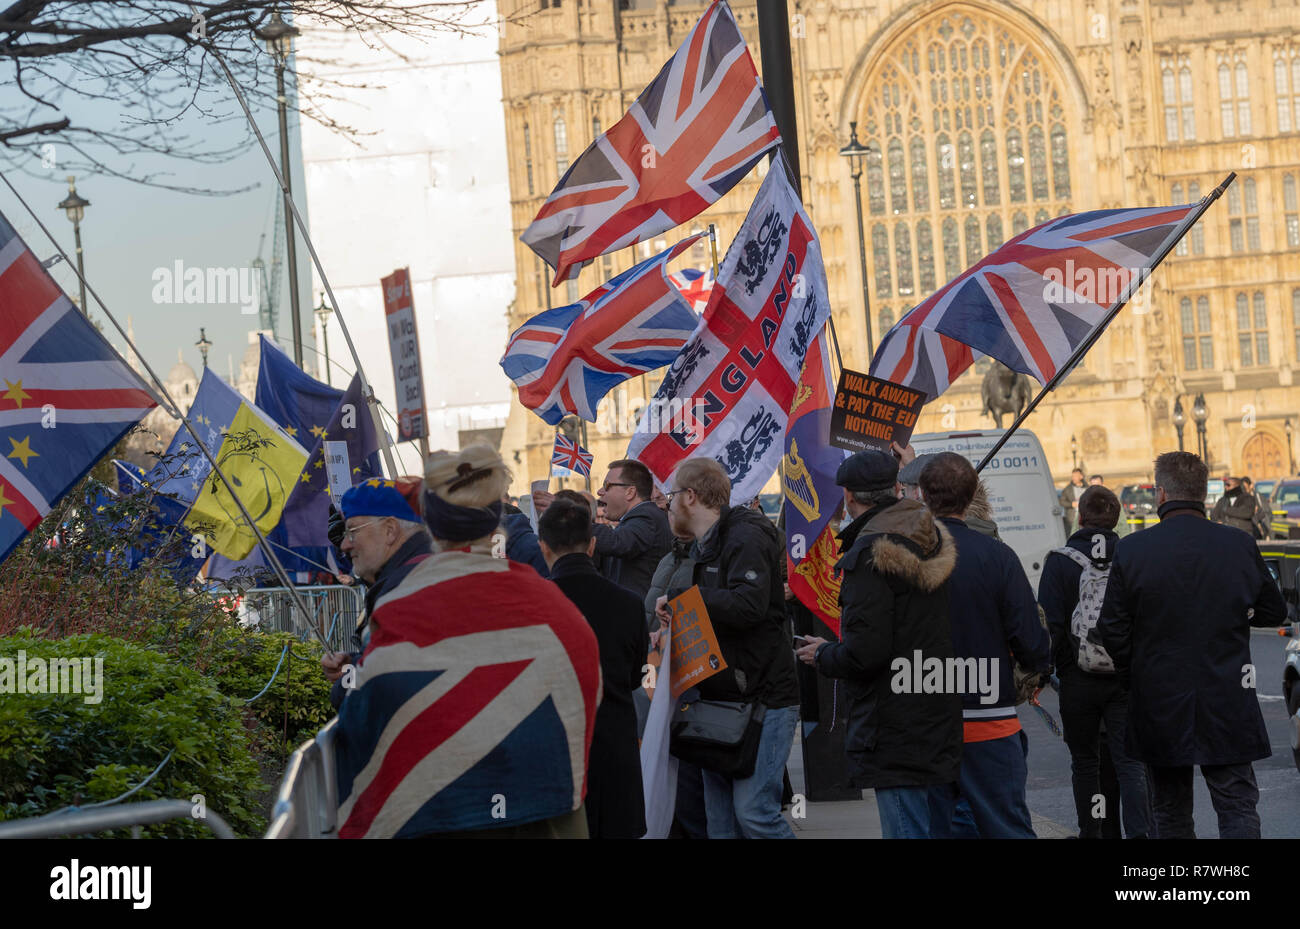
point(1092, 656)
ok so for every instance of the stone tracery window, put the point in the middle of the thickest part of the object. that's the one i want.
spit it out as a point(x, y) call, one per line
point(967, 122)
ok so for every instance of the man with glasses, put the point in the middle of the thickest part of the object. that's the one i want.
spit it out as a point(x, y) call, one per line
point(630, 548)
point(385, 539)
point(738, 555)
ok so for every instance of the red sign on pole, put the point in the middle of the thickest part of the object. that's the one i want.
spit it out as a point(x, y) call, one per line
point(404, 342)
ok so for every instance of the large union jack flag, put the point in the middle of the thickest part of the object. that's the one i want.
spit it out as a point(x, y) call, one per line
point(1030, 303)
point(564, 360)
point(691, 135)
point(480, 720)
point(68, 397)
point(571, 456)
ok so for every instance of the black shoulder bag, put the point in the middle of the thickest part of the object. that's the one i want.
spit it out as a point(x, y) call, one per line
point(717, 735)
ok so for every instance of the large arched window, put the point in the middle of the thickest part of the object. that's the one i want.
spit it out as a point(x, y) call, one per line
point(968, 121)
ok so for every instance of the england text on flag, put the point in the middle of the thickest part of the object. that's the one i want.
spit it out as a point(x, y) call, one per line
point(67, 398)
point(1030, 303)
point(742, 364)
point(571, 456)
point(691, 135)
point(564, 360)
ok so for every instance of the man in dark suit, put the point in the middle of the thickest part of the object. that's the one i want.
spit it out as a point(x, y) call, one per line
point(1176, 621)
point(615, 802)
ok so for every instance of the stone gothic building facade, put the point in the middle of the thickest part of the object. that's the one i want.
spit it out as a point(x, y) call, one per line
point(985, 118)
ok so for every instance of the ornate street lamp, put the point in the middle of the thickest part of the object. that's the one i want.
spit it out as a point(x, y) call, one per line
point(203, 345)
point(75, 207)
point(1290, 448)
point(1180, 420)
point(1199, 416)
point(323, 317)
point(278, 36)
point(1074, 451)
point(857, 153)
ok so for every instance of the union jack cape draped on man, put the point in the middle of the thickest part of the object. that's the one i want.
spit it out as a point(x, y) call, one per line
point(68, 397)
point(480, 720)
point(564, 360)
point(691, 135)
point(1030, 303)
point(811, 494)
point(740, 367)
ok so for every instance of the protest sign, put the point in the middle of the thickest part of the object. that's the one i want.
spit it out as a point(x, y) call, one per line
point(695, 652)
point(870, 412)
point(338, 468)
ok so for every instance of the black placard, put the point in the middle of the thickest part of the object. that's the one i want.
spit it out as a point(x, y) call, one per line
point(871, 412)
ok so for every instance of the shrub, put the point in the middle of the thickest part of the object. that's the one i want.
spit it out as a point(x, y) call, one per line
point(58, 750)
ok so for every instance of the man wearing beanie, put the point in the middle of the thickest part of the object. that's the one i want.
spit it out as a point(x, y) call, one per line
point(476, 695)
point(384, 538)
point(893, 613)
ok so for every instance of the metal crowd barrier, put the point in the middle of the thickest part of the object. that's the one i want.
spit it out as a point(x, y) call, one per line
point(307, 804)
point(111, 817)
point(337, 609)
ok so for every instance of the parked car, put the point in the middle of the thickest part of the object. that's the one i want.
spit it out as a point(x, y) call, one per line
point(1284, 503)
point(1283, 562)
point(1137, 504)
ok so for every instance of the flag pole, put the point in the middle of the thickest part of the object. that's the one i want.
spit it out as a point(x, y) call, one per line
point(169, 405)
point(366, 390)
point(1127, 294)
point(713, 244)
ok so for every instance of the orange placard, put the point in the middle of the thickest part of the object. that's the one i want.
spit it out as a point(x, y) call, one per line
point(696, 655)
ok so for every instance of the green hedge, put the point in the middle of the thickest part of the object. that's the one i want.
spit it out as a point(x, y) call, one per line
point(58, 750)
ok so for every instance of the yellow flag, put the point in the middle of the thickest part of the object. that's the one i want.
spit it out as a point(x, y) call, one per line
point(263, 475)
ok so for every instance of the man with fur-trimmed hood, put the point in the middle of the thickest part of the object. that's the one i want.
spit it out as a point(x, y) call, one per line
point(902, 738)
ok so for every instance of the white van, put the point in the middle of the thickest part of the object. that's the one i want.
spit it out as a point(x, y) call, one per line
point(1023, 498)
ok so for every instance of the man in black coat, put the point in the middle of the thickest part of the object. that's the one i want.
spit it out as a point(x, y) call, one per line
point(1176, 621)
point(1236, 507)
point(893, 611)
point(1095, 697)
point(615, 800)
point(738, 556)
point(633, 548)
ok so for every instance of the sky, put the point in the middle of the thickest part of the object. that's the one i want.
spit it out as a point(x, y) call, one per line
point(131, 230)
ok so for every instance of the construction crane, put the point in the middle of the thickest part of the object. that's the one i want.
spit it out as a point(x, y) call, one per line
point(268, 313)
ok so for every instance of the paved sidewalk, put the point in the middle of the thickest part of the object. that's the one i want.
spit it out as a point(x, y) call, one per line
point(858, 819)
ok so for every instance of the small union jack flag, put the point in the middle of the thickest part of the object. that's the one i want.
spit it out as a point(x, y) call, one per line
point(695, 285)
point(571, 456)
point(67, 396)
point(694, 132)
point(1030, 303)
point(564, 360)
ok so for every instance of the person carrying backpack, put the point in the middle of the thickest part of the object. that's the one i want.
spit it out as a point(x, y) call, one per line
point(1071, 591)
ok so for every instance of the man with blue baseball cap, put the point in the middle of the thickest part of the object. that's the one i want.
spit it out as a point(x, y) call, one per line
point(385, 539)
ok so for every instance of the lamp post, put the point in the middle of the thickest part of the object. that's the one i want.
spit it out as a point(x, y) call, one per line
point(75, 207)
point(203, 345)
point(1180, 420)
point(1074, 451)
point(1199, 415)
point(1290, 448)
point(279, 37)
point(856, 153)
point(323, 316)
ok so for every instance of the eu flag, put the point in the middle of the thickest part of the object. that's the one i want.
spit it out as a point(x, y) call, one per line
point(299, 404)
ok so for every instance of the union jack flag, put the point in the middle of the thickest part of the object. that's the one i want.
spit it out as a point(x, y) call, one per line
point(481, 720)
point(58, 371)
point(570, 455)
point(691, 135)
point(564, 360)
point(1030, 303)
point(695, 286)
